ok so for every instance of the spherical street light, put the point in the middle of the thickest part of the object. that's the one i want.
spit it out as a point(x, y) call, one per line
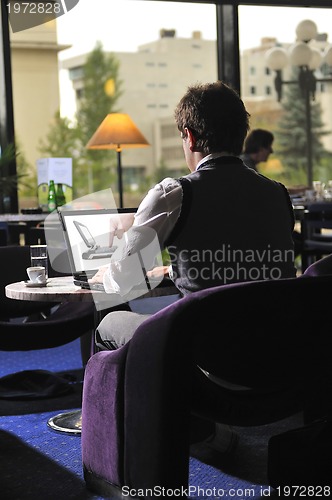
point(316, 59)
point(308, 59)
point(276, 58)
point(300, 54)
point(306, 30)
point(327, 58)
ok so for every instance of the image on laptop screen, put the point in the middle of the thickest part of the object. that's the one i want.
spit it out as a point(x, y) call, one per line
point(87, 235)
point(93, 250)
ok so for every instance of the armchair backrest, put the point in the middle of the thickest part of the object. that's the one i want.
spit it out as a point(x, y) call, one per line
point(270, 336)
point(14, 259)
point(244, 330)
point(321, 267)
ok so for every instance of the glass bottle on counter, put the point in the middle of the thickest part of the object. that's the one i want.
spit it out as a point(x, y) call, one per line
point(60, 195)
point(51, 199)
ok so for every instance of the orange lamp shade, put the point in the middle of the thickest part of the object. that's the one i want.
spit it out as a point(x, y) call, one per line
point(117, 131)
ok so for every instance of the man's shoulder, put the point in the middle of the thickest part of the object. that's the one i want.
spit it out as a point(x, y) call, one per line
point(168, 184)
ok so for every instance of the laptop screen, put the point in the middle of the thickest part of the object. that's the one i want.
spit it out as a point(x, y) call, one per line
point(88, 235)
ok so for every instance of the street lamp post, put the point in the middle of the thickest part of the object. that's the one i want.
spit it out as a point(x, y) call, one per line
point(308, 60)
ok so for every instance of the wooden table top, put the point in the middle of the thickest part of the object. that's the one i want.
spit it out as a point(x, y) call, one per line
point(56, 290)
point(63, 289)
point(22, 217)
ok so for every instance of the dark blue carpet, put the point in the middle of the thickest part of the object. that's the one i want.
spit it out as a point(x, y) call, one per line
point(39, 463)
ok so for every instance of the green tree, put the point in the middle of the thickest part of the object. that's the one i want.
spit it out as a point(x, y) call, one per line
point(8, 181)
point(62, 139)
point(163, 171)
point(93, 170)
point(291, 138)
point(101, 90)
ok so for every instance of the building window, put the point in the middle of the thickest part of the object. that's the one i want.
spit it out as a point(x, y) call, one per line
point(76, 73)
point(150, 64)
point(170, 130)
point(172, 153)
point(252, 70)
point(132, 176)
point(252, 90)
point(268, 90)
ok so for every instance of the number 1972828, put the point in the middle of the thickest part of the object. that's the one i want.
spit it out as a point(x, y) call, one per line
point(34, 8)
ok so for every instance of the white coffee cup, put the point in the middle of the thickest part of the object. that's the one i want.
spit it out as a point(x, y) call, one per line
point(37, 274)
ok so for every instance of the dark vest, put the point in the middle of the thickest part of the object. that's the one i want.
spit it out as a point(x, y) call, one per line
point(235, 225)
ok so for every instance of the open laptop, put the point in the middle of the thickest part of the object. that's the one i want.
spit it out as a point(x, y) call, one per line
point(87, 234)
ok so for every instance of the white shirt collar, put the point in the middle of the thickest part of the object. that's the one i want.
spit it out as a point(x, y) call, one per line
point(211, 156)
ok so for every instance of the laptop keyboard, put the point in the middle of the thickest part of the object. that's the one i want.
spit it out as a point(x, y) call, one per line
point(105, 250)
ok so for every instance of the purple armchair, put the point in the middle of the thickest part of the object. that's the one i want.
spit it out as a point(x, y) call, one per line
point(138, 401)
point(321, 267)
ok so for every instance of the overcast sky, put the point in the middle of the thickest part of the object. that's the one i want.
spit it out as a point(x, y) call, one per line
point(122, 25)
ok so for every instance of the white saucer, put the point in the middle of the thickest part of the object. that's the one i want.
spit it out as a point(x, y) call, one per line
point(31, 284)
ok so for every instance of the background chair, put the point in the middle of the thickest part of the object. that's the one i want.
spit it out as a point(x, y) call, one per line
point(316, 231)
point(321, 267)
point(138, 401)
point(36, 325)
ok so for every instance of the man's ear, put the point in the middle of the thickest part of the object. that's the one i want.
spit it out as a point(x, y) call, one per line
point(192, 140)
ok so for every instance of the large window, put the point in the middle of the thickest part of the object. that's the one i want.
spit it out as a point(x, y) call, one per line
point(158, 49)
point(260, 29)
point(151, 52)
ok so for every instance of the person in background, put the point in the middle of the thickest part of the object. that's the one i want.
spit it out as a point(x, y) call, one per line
point(257, 147)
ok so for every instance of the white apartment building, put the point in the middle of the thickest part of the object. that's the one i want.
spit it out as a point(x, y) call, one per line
point(36, 93)
point(157, 75)
point(154, 80)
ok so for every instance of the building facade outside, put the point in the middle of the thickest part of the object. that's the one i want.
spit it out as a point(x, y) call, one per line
point(35, 79)
point(156, 76)
point(154, 80)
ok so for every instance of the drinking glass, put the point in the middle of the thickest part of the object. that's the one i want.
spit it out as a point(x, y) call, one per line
point(319, 189)
point(38, 256)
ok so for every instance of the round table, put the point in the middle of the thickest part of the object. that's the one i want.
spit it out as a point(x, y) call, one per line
point(63, 289)
point(58, 290)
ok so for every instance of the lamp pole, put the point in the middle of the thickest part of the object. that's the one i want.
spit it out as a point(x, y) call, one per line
point(307, 59)
point(306, 92)
point(119, 168)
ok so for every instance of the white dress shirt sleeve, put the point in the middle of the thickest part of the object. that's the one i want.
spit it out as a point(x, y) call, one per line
point(154, 221)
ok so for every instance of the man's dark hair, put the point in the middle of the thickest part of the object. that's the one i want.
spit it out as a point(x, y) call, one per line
point(256, 139)
point(216, 116)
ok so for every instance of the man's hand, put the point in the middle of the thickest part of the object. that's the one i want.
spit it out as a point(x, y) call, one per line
point(98, 277)
point(158, 271)
point(119, 224)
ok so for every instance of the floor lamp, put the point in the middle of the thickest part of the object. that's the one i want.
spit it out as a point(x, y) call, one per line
point(117, 131)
